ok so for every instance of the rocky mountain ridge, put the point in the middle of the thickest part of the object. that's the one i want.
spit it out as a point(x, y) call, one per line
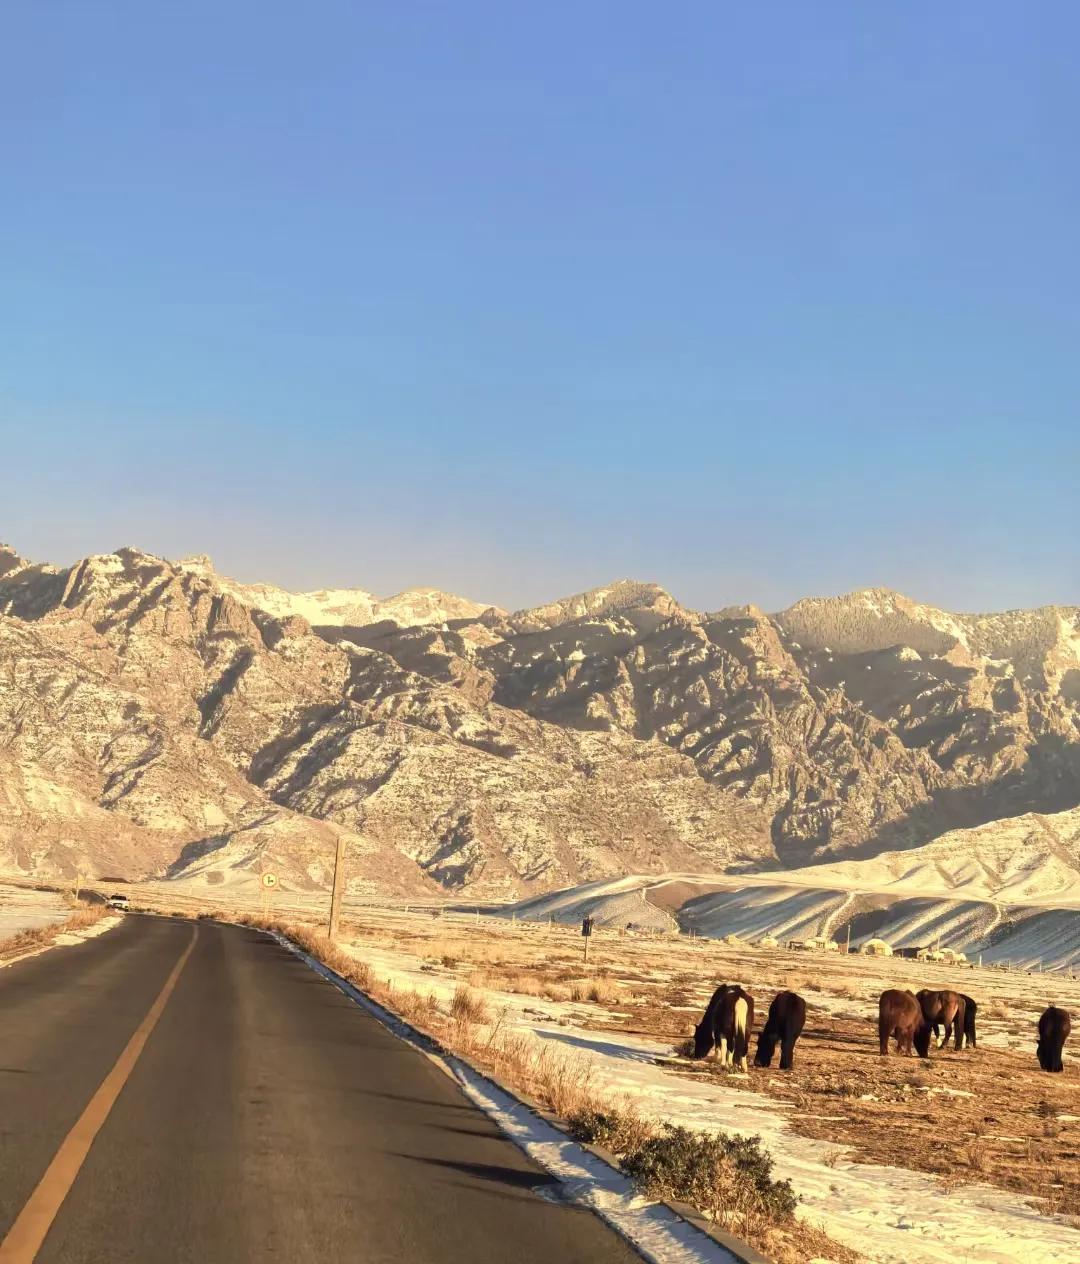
point(156, 718)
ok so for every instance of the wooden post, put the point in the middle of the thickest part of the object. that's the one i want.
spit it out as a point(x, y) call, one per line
point(586, 950)
point(78, 886)
point(339, 883)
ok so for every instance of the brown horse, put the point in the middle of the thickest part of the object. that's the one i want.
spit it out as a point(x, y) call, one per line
point(787, 1016)
point(948, 1009)
point(726, 1026)
point(1054, 1027)
point(900, 1015)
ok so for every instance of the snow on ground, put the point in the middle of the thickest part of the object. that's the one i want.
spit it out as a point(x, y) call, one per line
point(86, 932)
point(22, 909)
point(888, 1214)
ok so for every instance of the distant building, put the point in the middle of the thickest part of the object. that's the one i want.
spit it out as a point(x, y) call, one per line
point(877, 948)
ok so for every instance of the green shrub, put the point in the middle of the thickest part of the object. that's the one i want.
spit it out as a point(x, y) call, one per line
point(729, 1178)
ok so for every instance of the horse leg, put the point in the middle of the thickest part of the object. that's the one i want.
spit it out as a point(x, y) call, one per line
point(787, 1053)
point(741, 1049)
point(722, 1050)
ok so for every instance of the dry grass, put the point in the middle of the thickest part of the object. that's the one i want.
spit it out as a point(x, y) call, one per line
point(469, 1007)
point(82, 917)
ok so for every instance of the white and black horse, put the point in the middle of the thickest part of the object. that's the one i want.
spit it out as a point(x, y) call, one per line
point(726, 1026)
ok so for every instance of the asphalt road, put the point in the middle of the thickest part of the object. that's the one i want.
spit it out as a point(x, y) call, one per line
point(265, 1118)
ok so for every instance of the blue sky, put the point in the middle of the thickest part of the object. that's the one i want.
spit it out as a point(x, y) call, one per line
point(753, 300)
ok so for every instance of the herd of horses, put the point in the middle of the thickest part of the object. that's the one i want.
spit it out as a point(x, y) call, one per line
point(912, 1019)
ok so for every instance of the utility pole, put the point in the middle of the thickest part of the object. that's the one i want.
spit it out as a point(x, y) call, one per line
point(849, 939)
point(339, 883)
point(78, 886)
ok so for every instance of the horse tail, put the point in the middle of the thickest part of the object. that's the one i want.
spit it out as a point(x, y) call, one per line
point(741, 1041)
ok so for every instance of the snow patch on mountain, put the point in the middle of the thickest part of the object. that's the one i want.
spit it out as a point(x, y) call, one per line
point(341, 607)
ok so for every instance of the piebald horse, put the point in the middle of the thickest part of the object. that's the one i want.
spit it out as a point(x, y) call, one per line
point(726, 1026)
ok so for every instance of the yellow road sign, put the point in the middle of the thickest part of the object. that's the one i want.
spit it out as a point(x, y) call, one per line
point(269, 880)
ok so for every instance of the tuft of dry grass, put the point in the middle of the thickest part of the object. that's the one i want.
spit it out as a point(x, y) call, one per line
point(468, 1006)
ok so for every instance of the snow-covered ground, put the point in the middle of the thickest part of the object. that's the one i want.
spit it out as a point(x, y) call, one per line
point(889, 1215)
point(22, 909)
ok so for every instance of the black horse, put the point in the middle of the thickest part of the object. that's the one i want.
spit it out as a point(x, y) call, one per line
point(726, 1025)
point(787, 1016)
point(1054, 1027)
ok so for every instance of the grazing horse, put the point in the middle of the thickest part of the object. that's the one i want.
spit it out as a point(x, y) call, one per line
point(787, 1015)
point(726, 1026)
point(945, 1008)
point(900, 1015)
point(1054, 1027)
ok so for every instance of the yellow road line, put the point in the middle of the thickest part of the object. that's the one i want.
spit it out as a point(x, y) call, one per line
point(26, 1235)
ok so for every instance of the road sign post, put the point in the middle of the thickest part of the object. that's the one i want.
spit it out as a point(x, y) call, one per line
point(268, 882)
point(586, 931)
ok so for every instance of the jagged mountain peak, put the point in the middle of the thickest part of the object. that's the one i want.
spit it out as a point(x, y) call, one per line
point(10, 561)
point(622, 597)
point(341, 607)
point(872, 619)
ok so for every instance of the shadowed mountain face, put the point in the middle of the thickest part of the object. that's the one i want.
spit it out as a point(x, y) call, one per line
point(157, 718)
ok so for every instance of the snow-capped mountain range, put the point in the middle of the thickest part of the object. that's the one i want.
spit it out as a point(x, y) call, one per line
point(159, 718)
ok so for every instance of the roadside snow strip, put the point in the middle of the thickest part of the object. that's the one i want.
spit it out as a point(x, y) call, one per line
point(653, 1229)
